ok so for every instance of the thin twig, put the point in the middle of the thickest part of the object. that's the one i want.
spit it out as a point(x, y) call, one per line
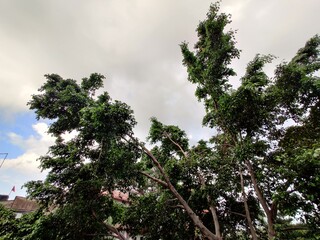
point(177, 144)
point(163, 183)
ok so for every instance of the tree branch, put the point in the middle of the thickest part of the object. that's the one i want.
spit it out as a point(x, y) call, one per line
point(212, 207)
point(246, 207)
point(110, 228)
point(293, 228)
point(175, 143)
point(177, 206)
point(194, 217)
point(236, 213)
point(261, 198)
point(263, 202)
point(155, 179)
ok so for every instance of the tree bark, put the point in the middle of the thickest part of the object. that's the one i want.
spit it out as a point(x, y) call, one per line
point(215, 219)
point(212, 208)
point(269, 213)
point(164, 184)
point(111, 228)
point(207, 234)
point(244, 196)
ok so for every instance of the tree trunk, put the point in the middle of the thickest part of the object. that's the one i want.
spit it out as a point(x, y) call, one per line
point(215, 219)
point(206, 233)
point(270, 215)
point(244, 196)
point(212, 208)
point(111, 228)
point(271, 231)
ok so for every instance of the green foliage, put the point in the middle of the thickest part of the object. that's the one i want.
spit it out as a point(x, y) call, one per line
point(86, 169)
point(168, 135)
point(258, 166)
point(12, 228)
point(281, 161)
point(157, 217)
point(7, 223)
point(209, 67)
point(297, 83)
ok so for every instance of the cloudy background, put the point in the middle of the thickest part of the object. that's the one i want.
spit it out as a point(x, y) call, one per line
point(135, 44)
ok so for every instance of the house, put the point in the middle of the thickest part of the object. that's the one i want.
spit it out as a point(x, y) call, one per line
point(120, 196)
point(20, 205)
point(123, 198)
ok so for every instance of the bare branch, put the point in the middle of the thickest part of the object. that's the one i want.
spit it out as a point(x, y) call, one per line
point(236, 213)
point(110, 228)
point(246, 207)
point(263, 202)
point(294, 228)
point(194, 217)
point(155, 179)
point(177, 206)
point(175, 143)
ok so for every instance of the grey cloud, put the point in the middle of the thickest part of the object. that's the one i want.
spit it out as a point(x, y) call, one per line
point(136, 45)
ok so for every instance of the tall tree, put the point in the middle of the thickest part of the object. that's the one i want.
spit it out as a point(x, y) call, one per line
point(247, 181)
point(252, 119)
point(84, 171)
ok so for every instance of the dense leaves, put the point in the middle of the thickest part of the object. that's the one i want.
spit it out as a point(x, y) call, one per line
point(84, 171)
point(269, 127)
point(257, 177)
point(12, 228)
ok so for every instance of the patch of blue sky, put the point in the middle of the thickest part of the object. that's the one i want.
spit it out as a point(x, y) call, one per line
point(20, 124)
point(17, 177)
point(13, 178)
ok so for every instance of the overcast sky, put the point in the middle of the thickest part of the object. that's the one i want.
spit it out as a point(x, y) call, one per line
point(135, 44)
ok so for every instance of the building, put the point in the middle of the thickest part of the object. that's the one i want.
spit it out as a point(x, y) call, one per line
point(20, 205)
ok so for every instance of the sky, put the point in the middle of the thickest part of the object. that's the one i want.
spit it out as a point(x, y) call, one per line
point(135, 44)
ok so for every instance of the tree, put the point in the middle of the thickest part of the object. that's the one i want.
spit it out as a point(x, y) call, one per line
point(7, 219)
point(84, 171)
point(16, 228)
point(252, 118)
point(248, 181)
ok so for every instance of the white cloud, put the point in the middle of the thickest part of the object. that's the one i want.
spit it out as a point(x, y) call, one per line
point(37, 143)
point(17, 171)
point(136, 45)
point(25, 164)
point(34, 146)
point(236, 8)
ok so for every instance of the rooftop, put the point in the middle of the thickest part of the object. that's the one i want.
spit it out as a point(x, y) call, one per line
point(20, 204)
